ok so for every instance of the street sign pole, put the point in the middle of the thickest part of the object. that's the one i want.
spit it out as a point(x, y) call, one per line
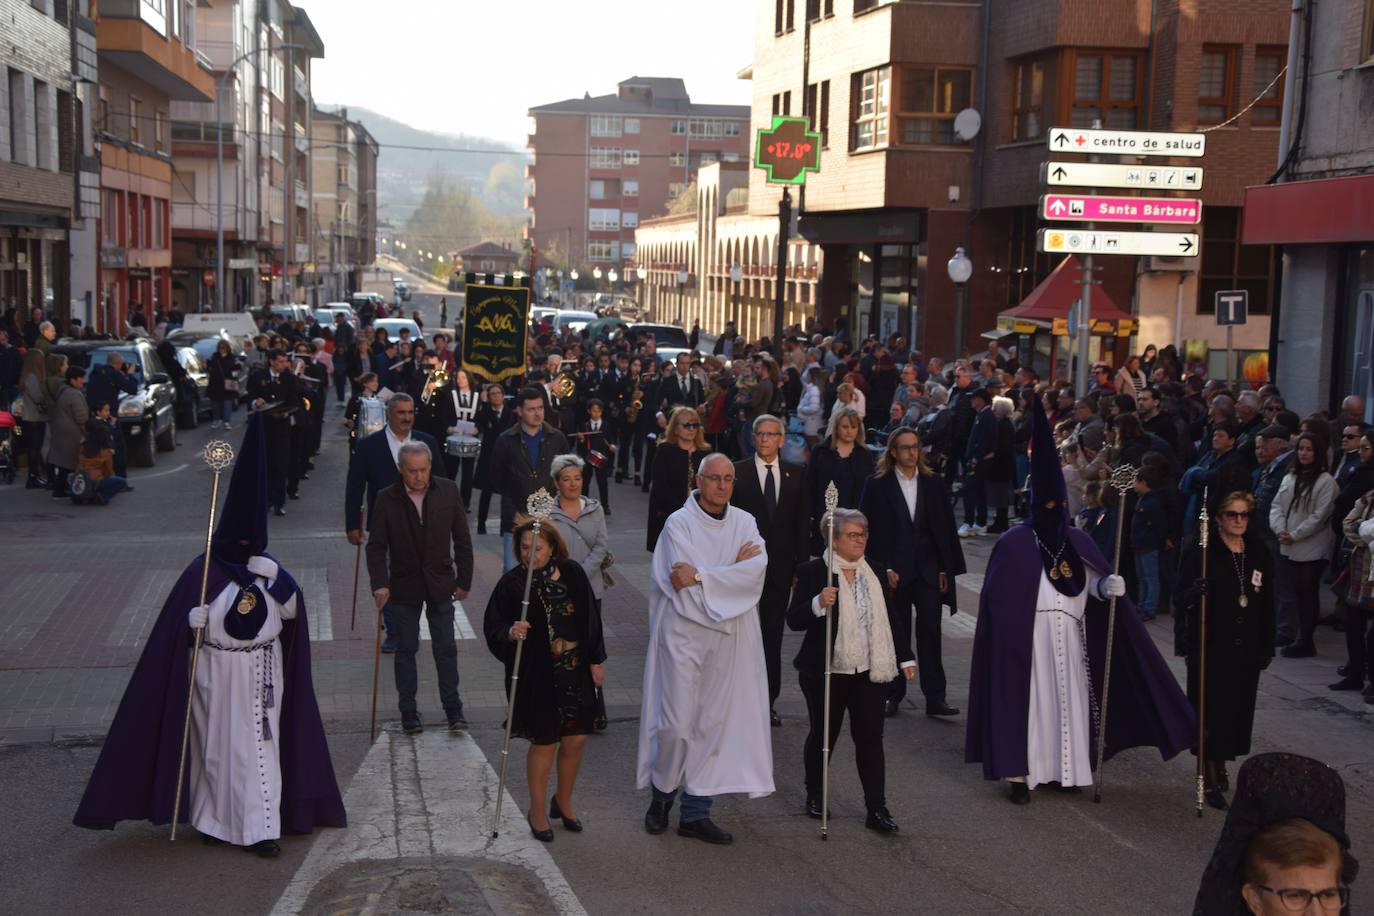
point(1230, 356)
point(788, 151)
point(1085, 313)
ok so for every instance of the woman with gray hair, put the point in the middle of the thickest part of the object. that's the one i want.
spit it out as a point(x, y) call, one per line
point(841, 458)
point(866, 654)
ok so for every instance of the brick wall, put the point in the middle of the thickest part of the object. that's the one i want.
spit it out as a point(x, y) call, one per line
point(35, 47)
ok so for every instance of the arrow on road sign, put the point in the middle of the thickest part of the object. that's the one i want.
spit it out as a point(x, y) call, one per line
point(1057, 206)
point(1186, 243)
point(1059, 173)
point(1061, 139)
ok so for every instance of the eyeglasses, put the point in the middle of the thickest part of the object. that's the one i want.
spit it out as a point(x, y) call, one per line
point(1233, 516)
point(856, 535)
point(908, 447)
point(690, 425)
point(767, 434)
point(1297, 899)
point(717, 480)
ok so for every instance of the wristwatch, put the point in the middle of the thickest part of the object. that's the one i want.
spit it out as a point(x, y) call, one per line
point(696, 577)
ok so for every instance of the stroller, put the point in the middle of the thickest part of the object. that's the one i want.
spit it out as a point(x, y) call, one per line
point(7, 437)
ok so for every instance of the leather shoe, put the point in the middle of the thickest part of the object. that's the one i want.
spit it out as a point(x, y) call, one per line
point(774, 719)
point(1347, 683)
point(813, 806)
point(656, 818)
point(267, 849)
point(935, 710)
point(482, 529)
point(388, 646)
point(1298, 650)
point(543, 836)
point(705, 831)
point(457, 722)
point(880, 820)
point(889, 708)
point(1214, 797)
point(293, 494)
point(411, 724)
point(1020, 793)
point(278, 511)
point(1342, 671)
point(571, 824)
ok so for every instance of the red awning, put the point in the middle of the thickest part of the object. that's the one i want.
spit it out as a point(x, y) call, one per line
point(1059, 291)
point(1322, 211)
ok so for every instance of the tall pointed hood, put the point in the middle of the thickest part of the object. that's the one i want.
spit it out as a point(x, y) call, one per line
point(242, 529)
point(1049, 515)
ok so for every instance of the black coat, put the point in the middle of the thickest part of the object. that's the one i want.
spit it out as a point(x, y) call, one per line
point(490, 424)
point(848, 475)
point(1002, 466)
point(412, 556)
point(222, 367)
point(669, 487)
point(916, 548)
point(283, 392)
point(513, 475)
point(787, 532)
point(811, 657)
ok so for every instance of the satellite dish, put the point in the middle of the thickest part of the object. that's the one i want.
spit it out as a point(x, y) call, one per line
point(967, 123)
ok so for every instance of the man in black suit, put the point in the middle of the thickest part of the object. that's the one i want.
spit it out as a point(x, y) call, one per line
point(373, 467)
point(419, 553)
point(912, 541)
point(680, 388)
point(773, 491)
point(274, 388)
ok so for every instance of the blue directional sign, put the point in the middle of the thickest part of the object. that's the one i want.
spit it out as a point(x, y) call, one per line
point(1232, 306)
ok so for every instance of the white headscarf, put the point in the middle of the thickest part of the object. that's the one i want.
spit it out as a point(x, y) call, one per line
point(866, 589)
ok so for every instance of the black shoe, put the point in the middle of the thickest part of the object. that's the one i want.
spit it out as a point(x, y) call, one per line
point(599, 724)
point(1214, 797)
point(411, 724)
point(705, 831)
point(278, 511)
point(388, 646)
point(267, 849)
point(1020, 793)
point(306, 476)
point(543, 836)
point(481, 528)
point(619, 477)
point(774, 719)
point(890, 708)
point(1348, 683)
point(293, 494)
point(636, 480)
point(607, 510)
point(571, 824)
point(457, 722)
point(1343, 671)
point(936, 710)
point(813, 806)
point(1298, 649)
point(880, 820)
point(656, 818)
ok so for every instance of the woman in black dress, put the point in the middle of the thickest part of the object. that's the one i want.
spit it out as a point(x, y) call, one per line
point(494, 416)
point(842, 458)
point(681, 446)
point(1240, 634)
point(561, 668)
point(224, 385)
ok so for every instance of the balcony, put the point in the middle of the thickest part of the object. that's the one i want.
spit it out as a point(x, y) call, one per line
point(134, 43)
point(300, 83)
point(302, 252)
point(302, 195)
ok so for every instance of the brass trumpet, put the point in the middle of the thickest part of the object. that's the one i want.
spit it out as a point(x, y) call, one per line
point(565, 385)
point(437, 379)
point(636, 403)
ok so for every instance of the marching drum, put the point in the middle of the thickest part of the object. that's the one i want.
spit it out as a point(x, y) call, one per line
point(461, 446)
point(598, 459)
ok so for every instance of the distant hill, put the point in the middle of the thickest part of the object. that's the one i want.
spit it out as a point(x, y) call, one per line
point(491, 169)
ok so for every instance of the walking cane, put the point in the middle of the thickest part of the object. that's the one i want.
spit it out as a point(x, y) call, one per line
point(1202, 664)
point(218, 455)
point(537, 506)
point(1122, 481)
point(832, 500)
point(357, 565)
point(376, 674)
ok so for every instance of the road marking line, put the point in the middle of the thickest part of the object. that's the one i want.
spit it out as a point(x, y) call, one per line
point(176, 470)
point(142, 607)
point(314, 583)
point(462, 627)
point(29, 600)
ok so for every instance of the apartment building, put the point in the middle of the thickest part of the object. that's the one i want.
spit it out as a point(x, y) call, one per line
point(602, 164)
point(343, 232)
point(900, 189)
point(1321, 212)
point(147, 59)
point(39, 151)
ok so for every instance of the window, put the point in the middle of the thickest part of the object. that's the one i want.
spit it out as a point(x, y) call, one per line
point(732, 128)
point(675, 188)
point(596, 189)
point(1269, 63)
point(601, 250)
point(708, 157)
point(778, 16)
point(679, 126)
point(1216, 85)
point(159, 238)
point(868, 128)
point(135, 116)
point(820, 117)
point(109, 218)
point(606, 125)
point(102, 112)
point(777, 104)
point(604, 157)
point(160, 131)
point(862, 5)
point(133, 224)
point(632, 157)
point(709, 128)
point(677, 160)
point(1227, 264)
point(791, 14)
point(627, 250)
point(630, 219)
point(1106, 88)
point(603, 220)
point(66, 145)
point(1367, 48)
point(816, 8)
point(631, 188)
point(929, 99)
point(1030, 92)
point(632, 125)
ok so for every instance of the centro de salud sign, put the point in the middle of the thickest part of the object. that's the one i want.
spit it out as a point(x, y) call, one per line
point(788, 150)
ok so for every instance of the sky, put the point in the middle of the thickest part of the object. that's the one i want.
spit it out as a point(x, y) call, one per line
point(477, 67)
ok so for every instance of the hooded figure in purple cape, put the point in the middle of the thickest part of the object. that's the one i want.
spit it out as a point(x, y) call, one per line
point(258, 762)
point(1040, 648)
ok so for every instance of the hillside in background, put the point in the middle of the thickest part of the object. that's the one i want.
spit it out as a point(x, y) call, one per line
point(492, 171)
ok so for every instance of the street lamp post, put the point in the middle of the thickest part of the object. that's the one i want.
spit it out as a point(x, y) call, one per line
point(960, 271)
point(640, 274)
point(682, 295)
point(219, 161)
point(736, 276)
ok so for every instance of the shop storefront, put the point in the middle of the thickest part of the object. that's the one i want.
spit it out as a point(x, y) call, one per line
point(882, 259)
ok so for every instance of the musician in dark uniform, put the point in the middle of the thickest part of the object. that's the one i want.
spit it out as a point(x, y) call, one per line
point(596, 446)
point(434, 412)
point(648, 422)
point(275, 388)
point(316, 389)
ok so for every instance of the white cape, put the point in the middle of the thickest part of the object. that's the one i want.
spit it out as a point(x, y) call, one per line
point(704, 716)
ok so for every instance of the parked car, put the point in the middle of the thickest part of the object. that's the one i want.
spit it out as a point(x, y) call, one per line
point(403, 290)
point(293, 312)
point(325, 314)
point(570, 318)
point(670, 338)
point(148, 416)
point(393, 327)
point(198, 406)
point(206, 342)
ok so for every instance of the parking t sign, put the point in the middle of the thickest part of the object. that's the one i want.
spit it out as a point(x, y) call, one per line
point(1232, 307)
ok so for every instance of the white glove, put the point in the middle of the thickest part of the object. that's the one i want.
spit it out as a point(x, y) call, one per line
point(1111, 587)
point(199, 617)
point(262, 566)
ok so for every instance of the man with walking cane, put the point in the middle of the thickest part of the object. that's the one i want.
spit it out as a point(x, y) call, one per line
point(258, 762)
point(419, 556)
point(1041, 648)
point(864, 659)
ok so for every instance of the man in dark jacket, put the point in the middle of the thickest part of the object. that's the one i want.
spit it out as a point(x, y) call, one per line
point(978, 453)
point(419, 553)
point(522, 462)
point(275, 391)
point(108, 381)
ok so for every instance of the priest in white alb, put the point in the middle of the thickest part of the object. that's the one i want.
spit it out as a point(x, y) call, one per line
point(704, 715)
